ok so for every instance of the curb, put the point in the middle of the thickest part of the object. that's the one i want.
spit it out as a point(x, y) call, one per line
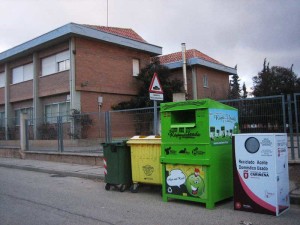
point(62, 173)
point(295, 199)
point(66, 157)
point(295, 195)
point(92, 159)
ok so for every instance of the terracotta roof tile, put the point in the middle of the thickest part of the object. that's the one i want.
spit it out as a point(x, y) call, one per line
point(191, 53)
point(123, 32)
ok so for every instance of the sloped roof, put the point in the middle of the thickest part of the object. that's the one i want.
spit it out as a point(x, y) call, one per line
point(191, 53)
point(194, 57)
point(120, 36)
point(123, 32)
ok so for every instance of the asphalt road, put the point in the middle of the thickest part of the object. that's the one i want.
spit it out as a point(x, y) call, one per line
point(32, 198)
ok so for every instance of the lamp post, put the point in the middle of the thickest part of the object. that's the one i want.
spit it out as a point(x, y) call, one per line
point(100, 102)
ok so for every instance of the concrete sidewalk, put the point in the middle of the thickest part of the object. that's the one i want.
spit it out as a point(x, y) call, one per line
point(97, 172)
point(62, 169)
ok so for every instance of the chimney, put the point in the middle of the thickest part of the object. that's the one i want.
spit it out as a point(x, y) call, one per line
point(184, 68)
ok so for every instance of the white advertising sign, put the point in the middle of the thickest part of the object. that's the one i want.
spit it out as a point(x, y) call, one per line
point(261, 171)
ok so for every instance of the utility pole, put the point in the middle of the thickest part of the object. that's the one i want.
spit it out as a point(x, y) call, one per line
point(184, 69)
point(107, 13)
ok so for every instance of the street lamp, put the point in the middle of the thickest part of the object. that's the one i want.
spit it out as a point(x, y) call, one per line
point(100, 102)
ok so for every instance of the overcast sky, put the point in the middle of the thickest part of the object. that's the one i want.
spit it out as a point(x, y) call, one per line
point(234, 32)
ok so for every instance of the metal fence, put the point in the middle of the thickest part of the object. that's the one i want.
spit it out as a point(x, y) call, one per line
point(86, 132)
point(74, 133)
point(294, 125)
point(123, 124)
point(272, 114)
point(260, 115)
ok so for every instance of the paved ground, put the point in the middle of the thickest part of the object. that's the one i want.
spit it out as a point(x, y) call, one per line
point(97, 172)
point(34, 198)
point(63, 169)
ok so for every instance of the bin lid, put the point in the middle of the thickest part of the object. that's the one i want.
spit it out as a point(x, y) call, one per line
point(193, 105)
point(152, 139)
point(183, 125)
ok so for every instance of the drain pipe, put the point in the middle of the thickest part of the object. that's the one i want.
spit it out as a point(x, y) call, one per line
point(184, 69)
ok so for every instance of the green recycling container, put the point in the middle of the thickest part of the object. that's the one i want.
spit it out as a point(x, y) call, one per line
point(196, 150)
point(117, 165)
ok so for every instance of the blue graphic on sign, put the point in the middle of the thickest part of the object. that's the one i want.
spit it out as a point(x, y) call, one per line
point(222, 124)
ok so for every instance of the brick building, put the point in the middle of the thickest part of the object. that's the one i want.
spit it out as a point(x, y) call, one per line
point(69, 68)
point(72, 66)
point(206, 77)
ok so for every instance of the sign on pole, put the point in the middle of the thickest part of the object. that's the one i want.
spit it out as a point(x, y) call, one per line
point(155, 89)
point(157, 97)
point(156, 94)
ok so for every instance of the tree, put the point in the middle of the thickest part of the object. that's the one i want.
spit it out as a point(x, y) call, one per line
point(234, 87)
point(276, 80)
point(169, 86)
point(245, 93)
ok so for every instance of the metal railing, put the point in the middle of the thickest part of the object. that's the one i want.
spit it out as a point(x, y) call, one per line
point(86, 132)
point(123, 124)
point(260, 115)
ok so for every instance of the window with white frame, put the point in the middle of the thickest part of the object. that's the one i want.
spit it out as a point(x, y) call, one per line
point(2, 79)
point(135, 67)
point(2, 119)
point(52, 111)
point(28, 111)
point(56, 63)
point(63, 65)
point(22, 73)
point(205, 81)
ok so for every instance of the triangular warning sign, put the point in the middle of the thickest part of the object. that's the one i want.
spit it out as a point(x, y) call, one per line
point(155, 86)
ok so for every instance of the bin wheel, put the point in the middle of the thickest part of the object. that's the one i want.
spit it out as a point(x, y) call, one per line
point(134, 188)
point(107, 187)
point(122, 187)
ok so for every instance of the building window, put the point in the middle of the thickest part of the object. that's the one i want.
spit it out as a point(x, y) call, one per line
point(52, 111)
point(63, 65)
point(2, 80)
point(135, 67)
point(28, 111)
point(56, 63)
point(2, 119)
point(205, 81)
point(22, 73)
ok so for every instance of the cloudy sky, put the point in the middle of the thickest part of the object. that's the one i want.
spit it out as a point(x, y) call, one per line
point(234, 32)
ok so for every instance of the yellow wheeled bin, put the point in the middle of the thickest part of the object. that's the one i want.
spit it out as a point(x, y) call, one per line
point(145, 160)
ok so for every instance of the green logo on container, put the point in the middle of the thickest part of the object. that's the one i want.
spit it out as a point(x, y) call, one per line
point(188, 134)
point(195, 183)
